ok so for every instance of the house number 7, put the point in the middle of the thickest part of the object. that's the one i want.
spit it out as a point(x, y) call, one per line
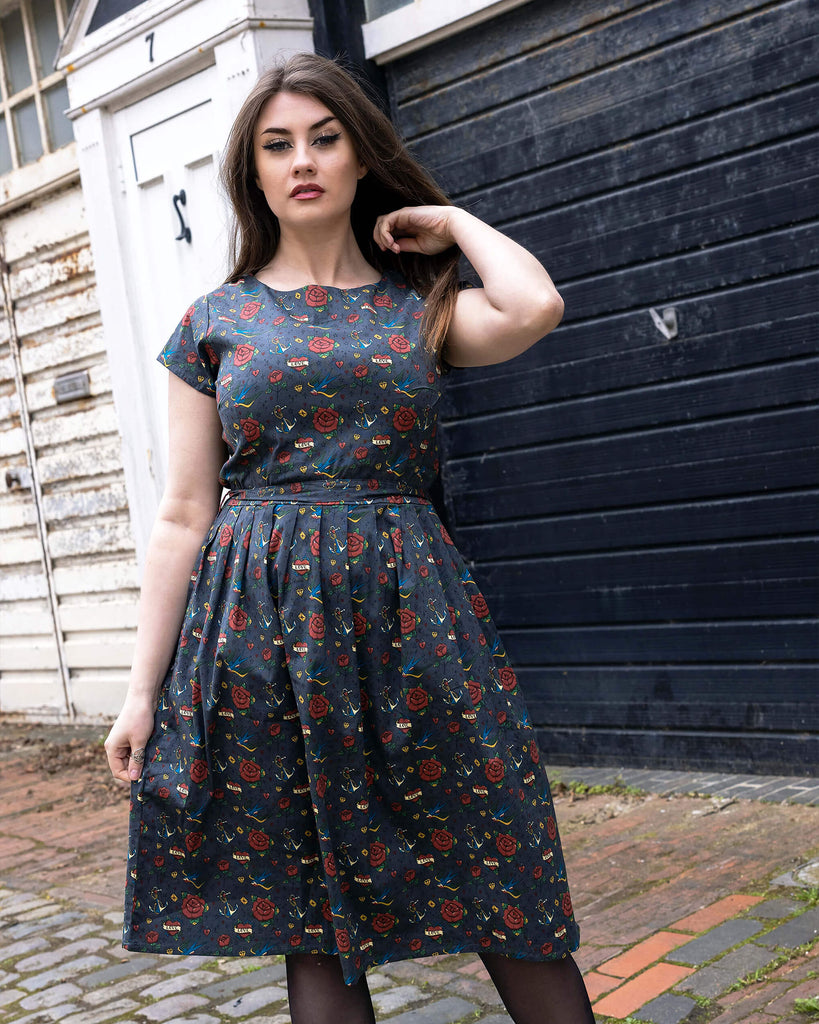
point(149, 39)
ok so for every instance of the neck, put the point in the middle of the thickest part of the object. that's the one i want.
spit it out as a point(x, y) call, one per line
point(317, 256)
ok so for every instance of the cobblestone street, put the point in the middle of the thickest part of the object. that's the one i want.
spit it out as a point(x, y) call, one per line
point(697, 908)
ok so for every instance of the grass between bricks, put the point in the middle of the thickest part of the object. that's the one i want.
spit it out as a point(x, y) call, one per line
point(808, 1006)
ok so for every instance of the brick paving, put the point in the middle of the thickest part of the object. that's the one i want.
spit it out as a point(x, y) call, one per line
point(691, 909)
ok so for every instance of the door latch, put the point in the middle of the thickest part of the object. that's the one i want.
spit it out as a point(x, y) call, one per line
point(184, 230)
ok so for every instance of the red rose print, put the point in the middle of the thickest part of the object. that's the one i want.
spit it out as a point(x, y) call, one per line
point(382, 300)
point(186, 319)
point(283, 456)
point(397, 538)
point(429, 769)
point(398, 343)
point(330, 865)
point(361, 370)
point(404, 419)
point(336, 579)
point(360, 452)
point(407, 620)
point(507, 845)
point(353, 317)
point(508, 679)
point(257, 840)
point(319, 705)
point(321, 344)
point(223, 865)
point(152, 937)
point(355, 544)
point(534, 753)
point(501, 717)
point(225, 536)
point(417, 698)
point(249, 310)
point(263, 909)
point(445, 535)
point(383, 922)
point(193, 906)
point(343, 940)
point(295, 940)
point(242, 354)
point(409, 875)
point(275, 728)
point(546, 949)
point(513, 918)
point(441, 839)
point(359, 624)
point(224, 940)
point(537, 871)
point(440, 650)
point(382, 578)
point(346, 815)
point(315, 543)
point(315, 295)
point(250, 771)
point(423, 571)
point(317, 626)
point(551, 827)
point(378, 854)
point(494, 769)
point(275, 542)
point(237, 619)
point(240, 697)
point(343, 660)
point(159, 861)
point(454, 727)
point(193, 840)
point(199, 770)
point(452, 910)
point(250, 428)
point(567, 904)
point(348, 741)
point(325, 420)
point(415, 944)
point(475, 691)
point(275, 376)
point(479, 606)
point(163, 792)
point(211, 354)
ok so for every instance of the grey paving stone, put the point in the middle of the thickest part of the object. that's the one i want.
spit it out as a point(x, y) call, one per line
point(395, 999)
point(10, 995)
point(76, 931)
point(443, 1011)
point(38, 913)
point(706, 947)
point(69, 970)
point(254, 1000)
point(16, 949)
point(172, 1007)
point(14, 908)
point(86, 1016)
point(41, 961)
point(712, 981)
point(115, 972)
point(102, 994)
point(666, 1009)
point(180, 964)
point(244, 982)
point(52, 1013)
point(170, 986)
point(497, 1018)
point(774, 909)
point(411, 970)
point(794, 932)
point(198, 1018)
point(50, 996)
point(19, 931)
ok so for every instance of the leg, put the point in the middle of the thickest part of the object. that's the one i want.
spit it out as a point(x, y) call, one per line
point(540, 992)
point(317, 993)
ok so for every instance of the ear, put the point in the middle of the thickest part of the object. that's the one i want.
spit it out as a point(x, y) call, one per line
point(362, 169)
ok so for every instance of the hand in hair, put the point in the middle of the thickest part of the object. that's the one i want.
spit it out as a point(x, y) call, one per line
point(424, 229)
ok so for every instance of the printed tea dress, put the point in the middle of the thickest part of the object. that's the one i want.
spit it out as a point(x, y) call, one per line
point(342, 760)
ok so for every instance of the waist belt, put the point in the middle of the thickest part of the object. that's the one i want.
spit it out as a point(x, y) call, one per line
point(327, 492)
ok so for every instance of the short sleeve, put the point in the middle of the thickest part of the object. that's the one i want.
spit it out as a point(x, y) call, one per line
point(445, 366)
point(188, 354)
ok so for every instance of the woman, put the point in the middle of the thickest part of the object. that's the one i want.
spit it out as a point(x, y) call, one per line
point(338, 760)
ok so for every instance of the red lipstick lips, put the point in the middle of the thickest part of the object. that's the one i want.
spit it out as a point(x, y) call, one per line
point(306, 190)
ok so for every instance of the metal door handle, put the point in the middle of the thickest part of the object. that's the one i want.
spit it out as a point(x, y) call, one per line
point(184, 230)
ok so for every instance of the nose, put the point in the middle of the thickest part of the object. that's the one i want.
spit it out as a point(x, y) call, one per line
point(303, 162)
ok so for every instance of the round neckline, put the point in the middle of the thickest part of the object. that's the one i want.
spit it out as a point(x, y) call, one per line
point(325, 287)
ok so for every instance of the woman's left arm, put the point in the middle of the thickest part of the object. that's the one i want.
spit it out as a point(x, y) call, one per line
point(518, 303)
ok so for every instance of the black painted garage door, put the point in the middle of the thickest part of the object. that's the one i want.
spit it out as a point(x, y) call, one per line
point(641, 510)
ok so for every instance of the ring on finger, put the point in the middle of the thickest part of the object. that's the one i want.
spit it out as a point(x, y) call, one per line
point(138, 755)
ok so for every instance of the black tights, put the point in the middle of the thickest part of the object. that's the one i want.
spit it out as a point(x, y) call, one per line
point(533, 992)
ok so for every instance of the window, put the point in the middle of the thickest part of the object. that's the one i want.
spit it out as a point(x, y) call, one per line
point(33, 97)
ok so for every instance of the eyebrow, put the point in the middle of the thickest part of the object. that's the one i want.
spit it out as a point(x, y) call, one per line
point(286, 131)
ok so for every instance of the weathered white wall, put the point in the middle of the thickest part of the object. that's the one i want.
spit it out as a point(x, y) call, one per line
point(79, 467)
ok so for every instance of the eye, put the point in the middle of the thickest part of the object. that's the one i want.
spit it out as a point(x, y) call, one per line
point(327, 140)
point(277, 145)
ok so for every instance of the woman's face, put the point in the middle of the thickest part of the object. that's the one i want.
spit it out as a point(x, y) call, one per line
point(306, 163)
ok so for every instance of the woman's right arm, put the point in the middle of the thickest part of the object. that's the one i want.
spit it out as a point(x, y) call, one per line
point(186, 511)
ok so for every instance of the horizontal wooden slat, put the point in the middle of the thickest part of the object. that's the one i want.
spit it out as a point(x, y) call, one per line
point(765, 515)
point(685, 643)
point(678, 715)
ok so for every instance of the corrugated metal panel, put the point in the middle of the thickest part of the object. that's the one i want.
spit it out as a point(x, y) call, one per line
point(78, 465)
point(657, 582)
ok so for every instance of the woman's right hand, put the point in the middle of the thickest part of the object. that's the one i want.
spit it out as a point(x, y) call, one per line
point(129, 734)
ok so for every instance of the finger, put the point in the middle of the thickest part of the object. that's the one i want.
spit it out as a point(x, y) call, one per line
point(118, 762)
point(135, 763)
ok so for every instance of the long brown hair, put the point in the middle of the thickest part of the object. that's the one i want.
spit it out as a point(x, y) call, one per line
point(394, 179)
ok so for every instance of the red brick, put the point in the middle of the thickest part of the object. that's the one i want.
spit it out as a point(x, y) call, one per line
point(716, 913)
point(597, 984)
point(644, 953)
point(640, 990)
